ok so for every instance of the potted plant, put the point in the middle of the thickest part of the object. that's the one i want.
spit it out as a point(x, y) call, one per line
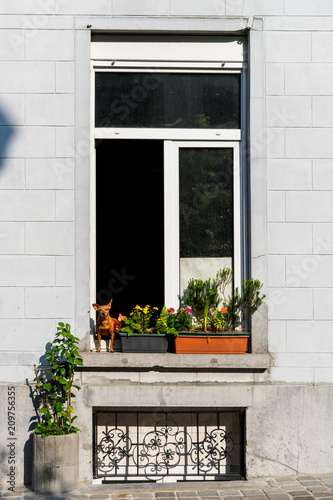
point(137, 334)
point(55, 467)
point(219, 330)
point(170, 322)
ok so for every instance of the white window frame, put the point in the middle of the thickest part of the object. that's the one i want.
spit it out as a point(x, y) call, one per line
point(171, 213)
point(173, 138)
point(165, 133)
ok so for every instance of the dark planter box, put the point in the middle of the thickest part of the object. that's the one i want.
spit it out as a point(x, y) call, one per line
point(141, 342)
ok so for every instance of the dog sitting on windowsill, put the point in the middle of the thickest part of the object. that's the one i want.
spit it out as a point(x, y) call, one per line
point(105, 325)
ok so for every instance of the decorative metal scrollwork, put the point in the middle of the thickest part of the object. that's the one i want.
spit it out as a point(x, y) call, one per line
point(163, 450)
point(113, 448)
point(215, 447)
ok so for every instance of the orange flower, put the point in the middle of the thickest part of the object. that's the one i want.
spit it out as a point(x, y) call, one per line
point(223, 310)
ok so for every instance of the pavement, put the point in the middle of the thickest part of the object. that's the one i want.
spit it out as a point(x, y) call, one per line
point(300, 487)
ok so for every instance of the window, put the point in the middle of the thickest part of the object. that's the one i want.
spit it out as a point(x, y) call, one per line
point(167, 100)
point(178, 444)
point(169, 174)
point(202, 216)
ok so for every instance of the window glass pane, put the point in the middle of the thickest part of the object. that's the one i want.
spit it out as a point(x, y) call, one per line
point(206, 202)
point(167, 100)
point(206, 212)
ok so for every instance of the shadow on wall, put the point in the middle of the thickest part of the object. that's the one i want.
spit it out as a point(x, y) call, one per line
point(35, 418)
point(6, 135)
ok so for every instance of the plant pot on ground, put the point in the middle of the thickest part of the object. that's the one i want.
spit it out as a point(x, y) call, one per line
point(55, 467)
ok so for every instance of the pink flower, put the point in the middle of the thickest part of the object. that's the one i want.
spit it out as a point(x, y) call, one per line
point(121, 317)
point(170, 310)
point(188, 309)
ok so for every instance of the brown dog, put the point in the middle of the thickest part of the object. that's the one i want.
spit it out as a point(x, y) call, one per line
point(105, 325)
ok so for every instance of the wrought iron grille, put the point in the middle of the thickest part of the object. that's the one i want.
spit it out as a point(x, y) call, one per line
point(169, 445)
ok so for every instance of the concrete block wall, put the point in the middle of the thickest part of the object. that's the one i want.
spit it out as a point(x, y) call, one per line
point(41, 188)
point(36, 182)
point(37, 224)
point(299, 205)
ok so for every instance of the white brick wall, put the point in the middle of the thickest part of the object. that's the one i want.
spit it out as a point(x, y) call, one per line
point(36, 181)
point(299, 173)
point(289, 175)
point(37, 125)
point(288, 47)
point(308, 8)
point(21, 77)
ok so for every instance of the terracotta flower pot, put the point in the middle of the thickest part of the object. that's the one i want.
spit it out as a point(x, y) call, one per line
point(211, 343)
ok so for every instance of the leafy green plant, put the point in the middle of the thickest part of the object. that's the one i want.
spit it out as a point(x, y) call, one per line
point(199, 293)
point(138, 321)
point(170, 322)
point(251, 298)
point(165, 323)
point(182, 319)
point(55, 384)
point(232, 312)
point(205, 296)
point(218, 320)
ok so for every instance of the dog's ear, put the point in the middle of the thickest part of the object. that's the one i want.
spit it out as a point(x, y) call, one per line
point(95, 306)
point(110, 303)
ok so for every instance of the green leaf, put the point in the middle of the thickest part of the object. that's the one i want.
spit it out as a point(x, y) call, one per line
point(58, 407)
point(63, 356)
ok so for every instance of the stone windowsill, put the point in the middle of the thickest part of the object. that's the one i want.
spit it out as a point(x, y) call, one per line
point(106, 361)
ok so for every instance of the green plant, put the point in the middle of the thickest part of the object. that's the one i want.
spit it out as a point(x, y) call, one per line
point(205, 296)
point(232, 314)
point(138, 321)
point(182, 319)
point(55, 384)
point(240, 307)
point(164, 324)
point(218, 320)
point(251, 298)
point(170, 322)
point(200, 292)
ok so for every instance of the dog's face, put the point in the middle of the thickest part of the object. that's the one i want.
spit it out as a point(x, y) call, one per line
point(103, 310)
